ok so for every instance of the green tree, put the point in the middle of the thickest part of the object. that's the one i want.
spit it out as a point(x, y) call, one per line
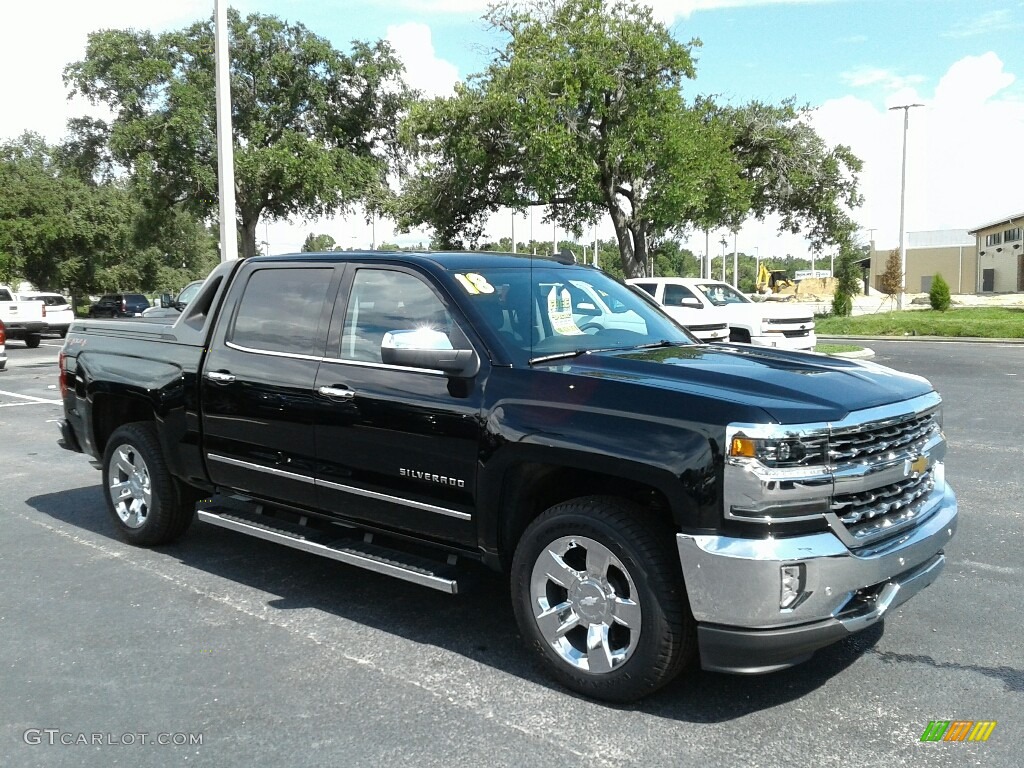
point(314, 128)
point(938, 296)
point(848, 282)
point(792, 172)
point(583, 112)
point(316, 243)
point(64, 226)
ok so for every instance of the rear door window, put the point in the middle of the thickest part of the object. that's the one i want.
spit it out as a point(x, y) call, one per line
point(280, 311)
point(674, 295)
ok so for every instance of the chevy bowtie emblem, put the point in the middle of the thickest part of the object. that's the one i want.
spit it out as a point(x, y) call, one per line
point(917, 466)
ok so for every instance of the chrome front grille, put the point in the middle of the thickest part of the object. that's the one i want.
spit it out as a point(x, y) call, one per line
point(869, 513)
point(809, 320)
point(862, 445)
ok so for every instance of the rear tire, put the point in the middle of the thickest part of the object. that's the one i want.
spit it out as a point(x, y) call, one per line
point(32, 340)
point(599, 596)
point(148, 505)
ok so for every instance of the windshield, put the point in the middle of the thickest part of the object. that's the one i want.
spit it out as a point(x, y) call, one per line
point(721, 294)
point(188, 293)
point(548, 312)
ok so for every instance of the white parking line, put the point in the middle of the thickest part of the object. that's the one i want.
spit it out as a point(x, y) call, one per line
point(29, 397)
point(40, 402)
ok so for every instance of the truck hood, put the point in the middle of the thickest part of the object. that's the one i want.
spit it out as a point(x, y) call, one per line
point(791, 387)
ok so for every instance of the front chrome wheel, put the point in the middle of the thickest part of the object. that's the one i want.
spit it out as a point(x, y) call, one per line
point(130, 486)
point(585, 604)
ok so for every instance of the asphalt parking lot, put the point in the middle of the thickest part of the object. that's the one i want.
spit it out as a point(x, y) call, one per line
point(273, 657)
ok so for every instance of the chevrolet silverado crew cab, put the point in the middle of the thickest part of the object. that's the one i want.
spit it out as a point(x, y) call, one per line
point(654, 501)
point(695, 303)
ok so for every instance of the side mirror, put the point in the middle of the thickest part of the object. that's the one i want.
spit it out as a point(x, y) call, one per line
point(428, 349)
point(165, 300)
point(691, 303)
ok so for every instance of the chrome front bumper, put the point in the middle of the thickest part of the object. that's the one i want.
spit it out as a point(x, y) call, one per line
point(734, 589)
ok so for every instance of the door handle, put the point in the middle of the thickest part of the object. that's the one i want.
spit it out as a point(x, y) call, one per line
point(220, 377)
point(342, 393)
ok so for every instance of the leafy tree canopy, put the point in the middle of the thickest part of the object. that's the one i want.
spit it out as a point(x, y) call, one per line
point(583, 111)
point(314, 128)
point(316, 243)
point(61, 229)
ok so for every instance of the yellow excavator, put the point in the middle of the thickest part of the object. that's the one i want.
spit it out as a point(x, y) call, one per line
point(773, 280)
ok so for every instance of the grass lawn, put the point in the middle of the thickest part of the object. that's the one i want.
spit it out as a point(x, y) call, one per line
point(982, 322)
point(832, 349)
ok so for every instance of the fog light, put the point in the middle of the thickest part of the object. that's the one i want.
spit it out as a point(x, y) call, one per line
point(792, 578)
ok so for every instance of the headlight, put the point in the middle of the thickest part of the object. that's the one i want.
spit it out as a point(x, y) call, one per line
point(779, 453)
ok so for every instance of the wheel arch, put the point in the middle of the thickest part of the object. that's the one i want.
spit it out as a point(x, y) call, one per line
point(531, 487)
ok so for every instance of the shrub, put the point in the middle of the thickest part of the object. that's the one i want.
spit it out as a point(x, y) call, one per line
point(938, 296)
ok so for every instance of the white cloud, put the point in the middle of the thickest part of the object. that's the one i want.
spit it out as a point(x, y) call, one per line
point(665, 10)
point(959, 146)
point(38, 39)
point(863, 77)
point(423, 70)
point(992, 21)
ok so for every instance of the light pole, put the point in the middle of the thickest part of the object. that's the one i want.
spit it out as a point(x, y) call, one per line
point(725, 243)
point(735, 262)
point(225, 150)
point(903, 199)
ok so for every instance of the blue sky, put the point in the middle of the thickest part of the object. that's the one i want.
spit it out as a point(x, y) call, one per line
point(850, 59)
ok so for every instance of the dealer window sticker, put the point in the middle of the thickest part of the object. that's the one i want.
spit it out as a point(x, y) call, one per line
point(560, 313)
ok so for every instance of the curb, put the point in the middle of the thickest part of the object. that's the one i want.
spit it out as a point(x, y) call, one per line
point(862, 354)
point(946, 339)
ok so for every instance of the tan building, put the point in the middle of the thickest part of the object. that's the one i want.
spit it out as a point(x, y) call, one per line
point(949, 252)
point(1001, 255)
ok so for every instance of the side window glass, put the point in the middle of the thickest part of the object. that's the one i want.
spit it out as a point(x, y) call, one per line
point(651, 288)
point(384, 300)
point(280, 311)
point(674, 295)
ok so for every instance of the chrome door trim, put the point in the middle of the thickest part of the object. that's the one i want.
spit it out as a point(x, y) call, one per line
point(261, 468)
point(343, 488)
point(394, 499)
point(272, 353)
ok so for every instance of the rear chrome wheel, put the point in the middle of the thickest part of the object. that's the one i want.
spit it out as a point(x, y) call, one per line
point(148, 505)
point(130, 486)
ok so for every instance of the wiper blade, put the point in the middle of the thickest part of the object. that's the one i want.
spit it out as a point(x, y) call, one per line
point(577, 352)
point(657, 345)
point(560, 355)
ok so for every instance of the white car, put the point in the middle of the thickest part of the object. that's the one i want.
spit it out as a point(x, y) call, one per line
point(59, 315)
point(3, 346)
point(693, 301)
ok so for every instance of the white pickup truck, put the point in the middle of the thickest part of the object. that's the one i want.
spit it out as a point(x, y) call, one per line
point(25, 320)
point(695, 301)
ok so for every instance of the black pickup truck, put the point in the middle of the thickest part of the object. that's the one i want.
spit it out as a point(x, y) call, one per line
point(653, 500)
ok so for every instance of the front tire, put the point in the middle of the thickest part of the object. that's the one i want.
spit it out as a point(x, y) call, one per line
point(739, 336)
point(147, 504)
point(32, 340)
point(598, 594)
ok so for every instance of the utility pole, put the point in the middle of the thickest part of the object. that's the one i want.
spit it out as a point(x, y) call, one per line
point(735, 262)
point(903, 199)
point(225, 149)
